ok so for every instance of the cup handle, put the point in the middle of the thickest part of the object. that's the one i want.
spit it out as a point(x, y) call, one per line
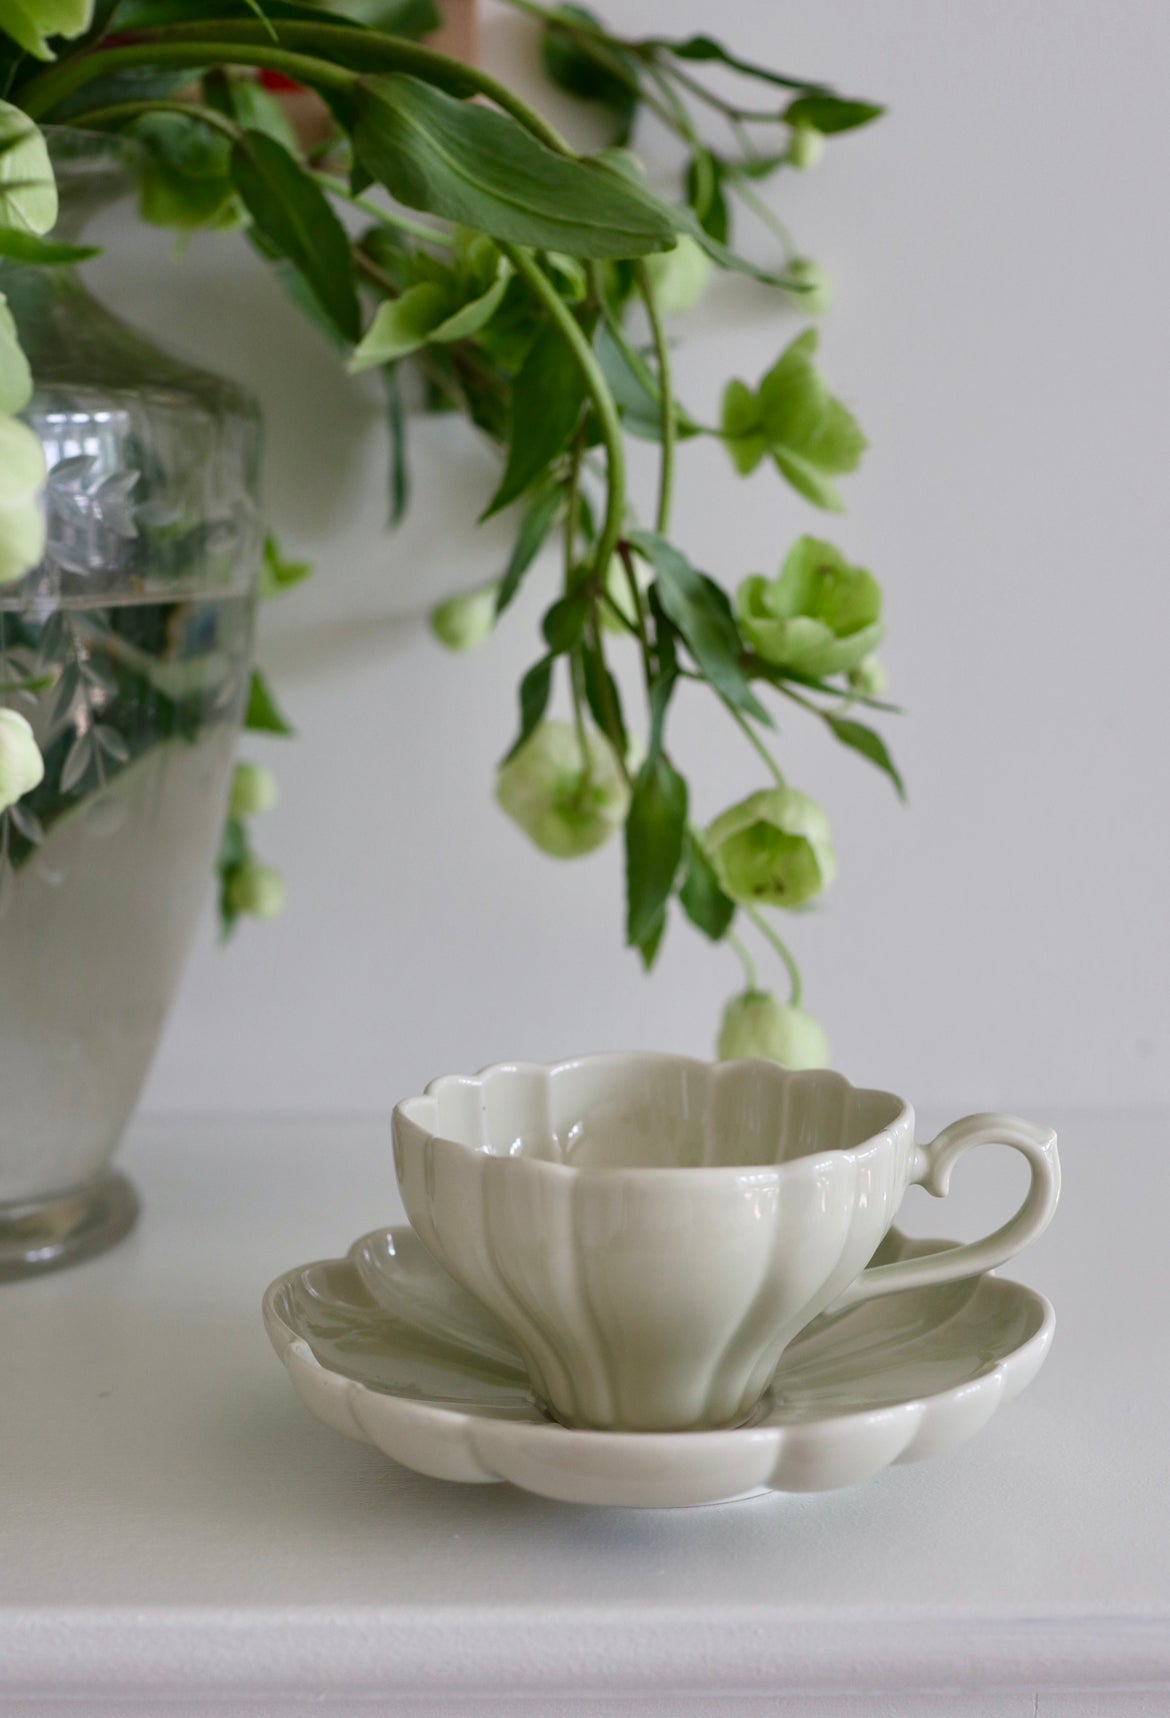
point(932, 1168)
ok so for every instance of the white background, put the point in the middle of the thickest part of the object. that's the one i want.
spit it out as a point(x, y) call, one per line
point(1003, 266)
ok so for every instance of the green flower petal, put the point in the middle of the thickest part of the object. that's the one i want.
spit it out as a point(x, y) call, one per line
point(821, 616)
point(759, 1024)
point(566, 809)
point(772, 849)
point(21, 764)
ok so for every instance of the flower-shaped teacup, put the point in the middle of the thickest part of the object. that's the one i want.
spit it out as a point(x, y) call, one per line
point(654, 1231)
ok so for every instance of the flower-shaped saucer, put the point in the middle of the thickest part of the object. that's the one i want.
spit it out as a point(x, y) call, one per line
point(384, 1347)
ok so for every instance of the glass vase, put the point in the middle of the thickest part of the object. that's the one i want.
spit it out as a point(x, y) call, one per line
point(128, 649)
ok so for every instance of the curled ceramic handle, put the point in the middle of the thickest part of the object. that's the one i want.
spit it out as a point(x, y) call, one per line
point(932, 1168)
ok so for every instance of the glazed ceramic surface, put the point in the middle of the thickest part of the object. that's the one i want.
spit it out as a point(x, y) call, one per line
point(384, 1347)
point(654, 1231)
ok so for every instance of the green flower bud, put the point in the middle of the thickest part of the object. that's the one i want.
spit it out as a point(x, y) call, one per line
point(22, 523)
point(805, 147)
point(566, 808)
point(869, 678)
point(463, 622)
point(812, 285)
point(759, 1024)
point(21, 765)
point(257, 890)
point(679, 277)
point(253, 790)
point(820, 617)
point(772, 849)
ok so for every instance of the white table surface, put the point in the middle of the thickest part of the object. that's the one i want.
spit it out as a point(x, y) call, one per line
point(177, 1535)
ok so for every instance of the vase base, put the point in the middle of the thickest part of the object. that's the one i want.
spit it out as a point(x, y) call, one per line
point(46, 1235)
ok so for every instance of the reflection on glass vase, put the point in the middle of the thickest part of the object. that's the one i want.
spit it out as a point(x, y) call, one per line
point(128, 649)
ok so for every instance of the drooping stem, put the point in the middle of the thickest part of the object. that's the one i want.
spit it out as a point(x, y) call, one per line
point(44, 92)
point(308, 59)
point(665, 400)
point(782, 949)
point(746, 961)
point(626, 556)
point(603, 402)
point(123, 111)
point(761, 748)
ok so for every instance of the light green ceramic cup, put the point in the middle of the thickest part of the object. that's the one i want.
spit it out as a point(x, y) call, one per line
point(653, 1231)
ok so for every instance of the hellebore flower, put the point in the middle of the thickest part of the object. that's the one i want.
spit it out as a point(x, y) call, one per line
point(253, 790)
point(759, 1024)
point(811, 285)
point(679, 277)
point(568, 806)
point(805, 147)
point(22, 523)
point(820, 617)
point(773, 849)
point(463, 622)
point(869, 678)
point(257, 890)
point(21, 765)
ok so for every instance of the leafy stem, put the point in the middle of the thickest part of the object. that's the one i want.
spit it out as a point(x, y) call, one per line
point(665, 400)
point(39, 97)
point(603, 402)
point(123, 111)
point(782, 949)
point(735, 942)
point(754, 738)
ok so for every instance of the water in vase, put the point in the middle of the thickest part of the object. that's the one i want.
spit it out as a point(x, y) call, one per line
point(104, 868)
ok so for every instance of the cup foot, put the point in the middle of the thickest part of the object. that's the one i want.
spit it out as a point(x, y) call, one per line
point(46, 1235)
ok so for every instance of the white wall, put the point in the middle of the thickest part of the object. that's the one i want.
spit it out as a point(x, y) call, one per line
point(1002, 253)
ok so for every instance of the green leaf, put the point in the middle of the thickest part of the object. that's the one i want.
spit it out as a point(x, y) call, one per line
point(603, 697)
point(547, 397)
point(700, 610)
point(396, 17)
point(277, 574)
point(28, 191)
point(263, 714)
point(15, 376)
point(706, 48)
point(295, 216)
point(535, 526)
point(861, 739)
point(563, 625)
point(535, 691)
point(184, 180)
point(831, 113)
point(655, 832)
point(424, 313)
point(704, 188)
point(43, 253)
point(596, 71)
point(470, 164)
point(703, 901)
point(389, 17)
point(257, 109)
point(396, 428)
point(401, 325)
point(33, 22)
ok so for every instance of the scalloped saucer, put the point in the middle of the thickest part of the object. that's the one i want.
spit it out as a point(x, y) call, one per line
point(384, 1347)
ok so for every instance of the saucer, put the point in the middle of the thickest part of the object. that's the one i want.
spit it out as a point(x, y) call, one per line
point(384, 1347)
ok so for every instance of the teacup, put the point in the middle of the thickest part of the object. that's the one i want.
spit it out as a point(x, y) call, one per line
point(653, 1231)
